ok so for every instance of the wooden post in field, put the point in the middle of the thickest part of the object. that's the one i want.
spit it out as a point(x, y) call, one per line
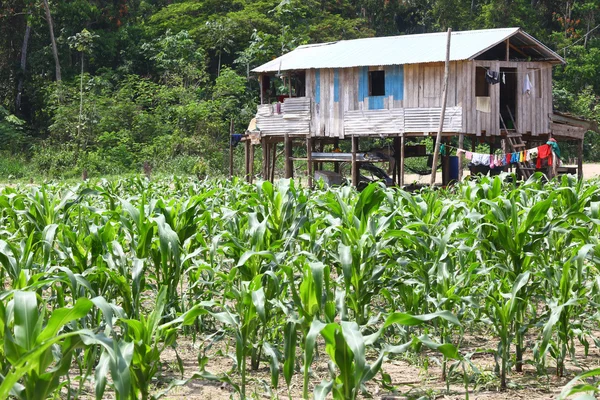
point(231, 148)
point(443, 113)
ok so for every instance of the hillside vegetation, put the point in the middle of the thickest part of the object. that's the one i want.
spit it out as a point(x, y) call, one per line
point(108, 86)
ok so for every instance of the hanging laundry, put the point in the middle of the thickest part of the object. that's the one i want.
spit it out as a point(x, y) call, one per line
point(499, 161)
point(527, 86)
point(532, 153)
point(481, 159)
point(492, 161)
point(236, 138)
point(503, 78)
point(552, 143)
point(544, 151)
point(515, 158)
point(492, 77)
point(468, 155)
point(508, 158)
point(442, 149)
point(522, 156)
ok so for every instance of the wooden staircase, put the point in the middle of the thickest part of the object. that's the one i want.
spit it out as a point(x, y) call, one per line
point(515, 140)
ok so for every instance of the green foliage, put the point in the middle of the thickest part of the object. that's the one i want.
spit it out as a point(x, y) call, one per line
point(151, 88)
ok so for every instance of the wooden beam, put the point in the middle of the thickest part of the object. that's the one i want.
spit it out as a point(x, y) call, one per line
point(507, 49)
point(443, 113)
point(518, 51)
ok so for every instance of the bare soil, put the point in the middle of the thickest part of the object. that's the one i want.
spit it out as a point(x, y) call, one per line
point(412, 376)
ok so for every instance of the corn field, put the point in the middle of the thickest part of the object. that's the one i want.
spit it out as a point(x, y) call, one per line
point(100, 280)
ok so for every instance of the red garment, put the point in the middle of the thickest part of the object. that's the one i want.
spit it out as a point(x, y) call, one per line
point(508, 157)
point(544, 151)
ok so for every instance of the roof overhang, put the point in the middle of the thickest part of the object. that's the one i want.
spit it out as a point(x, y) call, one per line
point(406, 49)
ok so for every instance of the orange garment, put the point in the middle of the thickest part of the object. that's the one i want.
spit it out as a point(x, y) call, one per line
point(544, 151)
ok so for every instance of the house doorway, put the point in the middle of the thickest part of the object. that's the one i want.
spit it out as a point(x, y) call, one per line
point(508, 97)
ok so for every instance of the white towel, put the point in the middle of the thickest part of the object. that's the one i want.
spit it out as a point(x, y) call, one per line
point(484, 104)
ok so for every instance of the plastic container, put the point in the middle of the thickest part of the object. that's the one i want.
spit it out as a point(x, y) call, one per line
point(453, 175)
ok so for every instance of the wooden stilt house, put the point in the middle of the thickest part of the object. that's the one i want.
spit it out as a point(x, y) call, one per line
point(499, 87)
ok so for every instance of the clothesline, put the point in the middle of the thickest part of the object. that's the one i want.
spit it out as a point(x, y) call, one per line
point(493, 160)
point(517, 72)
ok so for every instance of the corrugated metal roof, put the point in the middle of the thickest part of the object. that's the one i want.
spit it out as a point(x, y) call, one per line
point(398, 50)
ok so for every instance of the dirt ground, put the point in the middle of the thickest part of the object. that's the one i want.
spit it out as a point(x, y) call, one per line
point(413, 376)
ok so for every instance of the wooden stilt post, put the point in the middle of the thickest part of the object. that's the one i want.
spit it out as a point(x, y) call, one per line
point(247, 157)
point(321, 150)
point(231, 148)
point(309, 163)
point(394, 168)
point(461, 144)
point(251, 163)
point(273, 161)
point(260, 83)
point(401, 161)
point(289, 163)
point(336, 145)
point(443, 113)
point(580, 160)
point(354, 163)
point(265, 161)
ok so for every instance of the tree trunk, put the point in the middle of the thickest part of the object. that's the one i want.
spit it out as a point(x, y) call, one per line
point(80, 100)
point(23, 66)
point(53, 40)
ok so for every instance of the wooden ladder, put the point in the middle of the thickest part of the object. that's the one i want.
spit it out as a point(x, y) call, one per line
point(526, 168)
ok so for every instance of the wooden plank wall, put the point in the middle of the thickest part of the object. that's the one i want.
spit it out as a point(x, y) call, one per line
point(533, 110)
point(422, 85)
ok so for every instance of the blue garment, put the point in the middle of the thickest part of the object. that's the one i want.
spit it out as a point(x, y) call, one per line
point(235, 139)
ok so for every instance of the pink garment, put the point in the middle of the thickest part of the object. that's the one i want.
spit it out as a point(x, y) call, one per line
point(492, 161)
point(468, 155)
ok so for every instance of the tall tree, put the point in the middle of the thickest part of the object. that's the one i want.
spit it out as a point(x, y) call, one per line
point(23, 65)
point(53, 40)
